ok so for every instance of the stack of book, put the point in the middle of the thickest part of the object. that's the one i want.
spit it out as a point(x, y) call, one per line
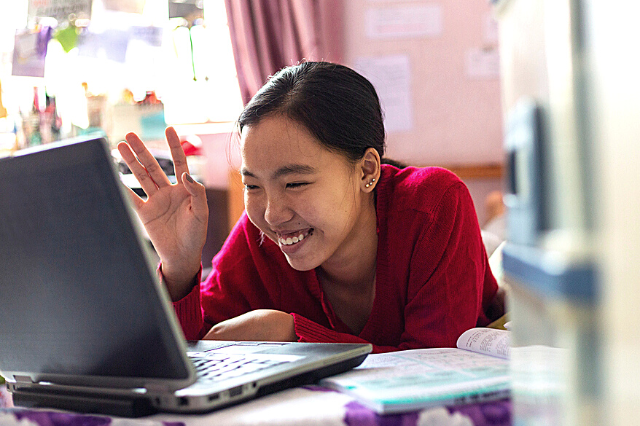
point(476, 371)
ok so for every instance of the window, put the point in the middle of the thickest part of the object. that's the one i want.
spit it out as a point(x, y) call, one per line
point(128, 47)
point(201, 84)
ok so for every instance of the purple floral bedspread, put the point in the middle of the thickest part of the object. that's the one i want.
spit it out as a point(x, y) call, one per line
point(497, 413)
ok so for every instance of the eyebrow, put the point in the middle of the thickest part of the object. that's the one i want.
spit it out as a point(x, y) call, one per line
point(290, 169)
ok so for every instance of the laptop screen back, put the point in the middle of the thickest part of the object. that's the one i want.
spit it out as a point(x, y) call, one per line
point(78, 299)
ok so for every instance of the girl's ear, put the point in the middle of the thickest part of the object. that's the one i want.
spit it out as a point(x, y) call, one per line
point(369, 170)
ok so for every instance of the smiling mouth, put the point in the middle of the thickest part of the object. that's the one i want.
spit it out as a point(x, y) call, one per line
point(294, 238)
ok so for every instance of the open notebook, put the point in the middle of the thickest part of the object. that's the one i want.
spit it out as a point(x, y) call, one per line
point(476, 370)
point(87, 326)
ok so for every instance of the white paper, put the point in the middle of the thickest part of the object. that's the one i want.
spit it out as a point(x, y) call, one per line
point(391, 76)
point(128, 6)
point(60, 9)
point(417, 361)
point(26, 59)
point(419, 378)
point(482, 63)
point(404, 22)
point(490, 29)
point(488, 341)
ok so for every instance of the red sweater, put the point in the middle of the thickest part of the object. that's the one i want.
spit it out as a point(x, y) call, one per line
point(433, 280)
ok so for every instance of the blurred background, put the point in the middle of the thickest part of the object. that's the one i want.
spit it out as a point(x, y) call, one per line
point(70, 67)
point(534, 104)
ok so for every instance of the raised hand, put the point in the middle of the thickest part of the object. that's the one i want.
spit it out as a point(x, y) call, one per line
point(174, 215)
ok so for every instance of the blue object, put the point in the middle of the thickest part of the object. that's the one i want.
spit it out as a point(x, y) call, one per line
point(550, 277)
point(526, 174)
point(153, 126)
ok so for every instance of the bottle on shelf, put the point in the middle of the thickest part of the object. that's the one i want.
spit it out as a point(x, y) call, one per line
point(52, 121)
point(33, 121)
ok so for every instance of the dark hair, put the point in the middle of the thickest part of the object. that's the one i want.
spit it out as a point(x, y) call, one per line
point(336, 104)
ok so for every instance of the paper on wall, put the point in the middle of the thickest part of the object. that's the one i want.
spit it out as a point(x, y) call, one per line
point(27, 60)
point(391, 76)
point(482, 63)
point(60, 9)
point(404, 22)
point(490, 29)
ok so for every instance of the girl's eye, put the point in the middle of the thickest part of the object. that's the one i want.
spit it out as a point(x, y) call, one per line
point(296, 184)
point(250, 187)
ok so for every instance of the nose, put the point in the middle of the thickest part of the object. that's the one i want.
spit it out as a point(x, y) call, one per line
point(276, 211)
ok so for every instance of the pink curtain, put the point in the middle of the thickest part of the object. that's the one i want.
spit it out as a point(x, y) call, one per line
point(268, 35)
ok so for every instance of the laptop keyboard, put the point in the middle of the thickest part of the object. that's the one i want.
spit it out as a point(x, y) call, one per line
point(214, 366)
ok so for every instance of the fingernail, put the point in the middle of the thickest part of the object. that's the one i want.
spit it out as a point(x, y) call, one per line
point(188, 177)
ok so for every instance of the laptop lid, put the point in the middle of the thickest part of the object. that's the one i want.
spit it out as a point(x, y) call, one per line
point(80, 301)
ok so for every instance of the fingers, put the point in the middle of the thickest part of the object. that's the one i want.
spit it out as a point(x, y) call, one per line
point(148, 162)
point(177, 153)
point(199, 194)
point(146, 168)
point(147, 184)
point(135, 198)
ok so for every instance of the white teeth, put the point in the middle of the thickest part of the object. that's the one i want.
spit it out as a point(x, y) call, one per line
point(291, 240)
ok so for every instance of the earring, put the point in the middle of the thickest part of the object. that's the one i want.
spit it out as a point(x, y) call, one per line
point(370, 183)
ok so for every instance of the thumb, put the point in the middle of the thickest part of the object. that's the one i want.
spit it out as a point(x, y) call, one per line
point(198, 194)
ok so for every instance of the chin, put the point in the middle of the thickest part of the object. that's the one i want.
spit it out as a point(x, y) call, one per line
point(299, 265)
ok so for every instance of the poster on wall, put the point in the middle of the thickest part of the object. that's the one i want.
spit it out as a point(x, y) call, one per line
point(391, 76)
point(482, 63)
point(404, 22)
point(490, 29)
point(128, 6)
point(59, 9)
point(28, 57)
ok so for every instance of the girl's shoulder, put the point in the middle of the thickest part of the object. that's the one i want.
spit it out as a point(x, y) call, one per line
point(416, 188)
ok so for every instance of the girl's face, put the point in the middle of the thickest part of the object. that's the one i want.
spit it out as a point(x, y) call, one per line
point(302, 196)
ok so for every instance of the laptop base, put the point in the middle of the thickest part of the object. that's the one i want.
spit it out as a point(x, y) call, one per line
point(87, 404)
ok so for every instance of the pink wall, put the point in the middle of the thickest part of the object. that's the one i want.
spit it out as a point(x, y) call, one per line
point(456, 117)
point(454, 84)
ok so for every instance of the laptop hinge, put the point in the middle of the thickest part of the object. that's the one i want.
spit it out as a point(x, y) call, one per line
point(156, 388)
point(22, 379)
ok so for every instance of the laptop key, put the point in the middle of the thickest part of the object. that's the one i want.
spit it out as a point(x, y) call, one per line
point(223, 366)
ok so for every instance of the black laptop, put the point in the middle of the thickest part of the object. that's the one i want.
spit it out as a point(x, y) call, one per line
point(85, 323)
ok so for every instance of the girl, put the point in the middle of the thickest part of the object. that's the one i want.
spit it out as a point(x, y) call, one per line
point(334, 246)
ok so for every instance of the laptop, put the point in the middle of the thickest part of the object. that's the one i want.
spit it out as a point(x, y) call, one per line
point(85, 323)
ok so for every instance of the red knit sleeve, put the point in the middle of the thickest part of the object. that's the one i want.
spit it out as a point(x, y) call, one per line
point(189, 312)
point(190, 315)
point(309, 331)
point(450, 275)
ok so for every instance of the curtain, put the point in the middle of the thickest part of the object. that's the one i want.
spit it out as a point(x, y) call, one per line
point(268, 35)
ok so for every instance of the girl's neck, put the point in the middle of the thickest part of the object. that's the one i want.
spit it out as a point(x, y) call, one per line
point(355, 266)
